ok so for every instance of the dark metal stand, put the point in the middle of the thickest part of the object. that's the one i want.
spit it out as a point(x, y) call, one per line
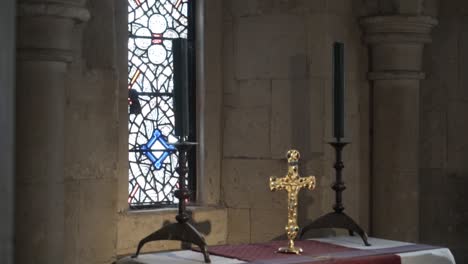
point(182, 230)
point(337, 219)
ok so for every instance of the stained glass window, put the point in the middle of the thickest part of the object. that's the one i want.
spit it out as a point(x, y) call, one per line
point(152, 25)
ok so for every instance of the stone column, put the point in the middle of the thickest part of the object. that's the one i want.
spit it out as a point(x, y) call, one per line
point(44, 35)
point(7, 125)
point(396, 46)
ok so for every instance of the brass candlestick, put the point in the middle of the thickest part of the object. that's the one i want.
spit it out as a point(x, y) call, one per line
point(292, 183)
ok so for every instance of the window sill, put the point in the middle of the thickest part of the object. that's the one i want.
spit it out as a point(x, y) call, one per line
point(171, 210)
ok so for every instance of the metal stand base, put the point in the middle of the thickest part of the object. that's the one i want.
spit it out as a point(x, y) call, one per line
point(182, 230)
point(337, 220)
point(177, 231)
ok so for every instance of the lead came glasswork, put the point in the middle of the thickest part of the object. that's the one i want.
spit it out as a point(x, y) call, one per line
point(152, 160)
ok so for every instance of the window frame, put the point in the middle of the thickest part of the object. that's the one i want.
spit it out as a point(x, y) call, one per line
point(192, 154)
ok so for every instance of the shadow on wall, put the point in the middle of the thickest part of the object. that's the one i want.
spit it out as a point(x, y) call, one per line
point(300, 100)
point(203, 227)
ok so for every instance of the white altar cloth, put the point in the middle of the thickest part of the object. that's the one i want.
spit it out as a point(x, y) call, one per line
point(433, 256)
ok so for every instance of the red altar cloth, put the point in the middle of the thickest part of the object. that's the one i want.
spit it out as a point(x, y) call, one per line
point(315, 252)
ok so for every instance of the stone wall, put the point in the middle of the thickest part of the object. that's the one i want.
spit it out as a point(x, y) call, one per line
point(444, 145)
point(73, 186)
point(264, 84)
point(94, 101)
point(277, 81)
point(265, 87)
point(7, 99)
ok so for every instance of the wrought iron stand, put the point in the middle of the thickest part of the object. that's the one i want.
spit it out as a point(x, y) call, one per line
point(182, 230)
point(337, 219)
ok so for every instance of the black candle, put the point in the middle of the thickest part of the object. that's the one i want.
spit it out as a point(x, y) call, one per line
point(181, 85)
point(338, 90)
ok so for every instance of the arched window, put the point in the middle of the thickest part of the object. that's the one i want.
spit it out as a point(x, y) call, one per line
point(152, 25)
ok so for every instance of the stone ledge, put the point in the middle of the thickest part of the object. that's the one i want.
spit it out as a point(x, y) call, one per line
point(391, 38)
point(62, 10)
point(396, 75)
point(44, 54)
point(171, 210)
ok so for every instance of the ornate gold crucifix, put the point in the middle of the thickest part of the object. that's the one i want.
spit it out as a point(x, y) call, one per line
point(292, 183)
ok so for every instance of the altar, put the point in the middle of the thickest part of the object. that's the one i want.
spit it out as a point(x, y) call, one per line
point(342, 249)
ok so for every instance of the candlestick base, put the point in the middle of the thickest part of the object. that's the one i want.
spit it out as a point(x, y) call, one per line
point(337, 219)
point(182, 230)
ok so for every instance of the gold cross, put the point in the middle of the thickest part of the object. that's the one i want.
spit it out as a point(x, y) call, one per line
point(292, 183)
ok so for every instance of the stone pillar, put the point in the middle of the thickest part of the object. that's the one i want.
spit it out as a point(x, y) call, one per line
point(7, 125)
point(44, 35)
point(396, 46)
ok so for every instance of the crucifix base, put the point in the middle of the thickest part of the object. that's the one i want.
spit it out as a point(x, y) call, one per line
point(337, 220)
point(288, 250)
point(177, 231)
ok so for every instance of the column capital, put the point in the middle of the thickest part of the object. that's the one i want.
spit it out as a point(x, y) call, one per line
point(45, 29)
point(396, 45)
point(399, 24)
point(398, 29)
point(396, 75)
